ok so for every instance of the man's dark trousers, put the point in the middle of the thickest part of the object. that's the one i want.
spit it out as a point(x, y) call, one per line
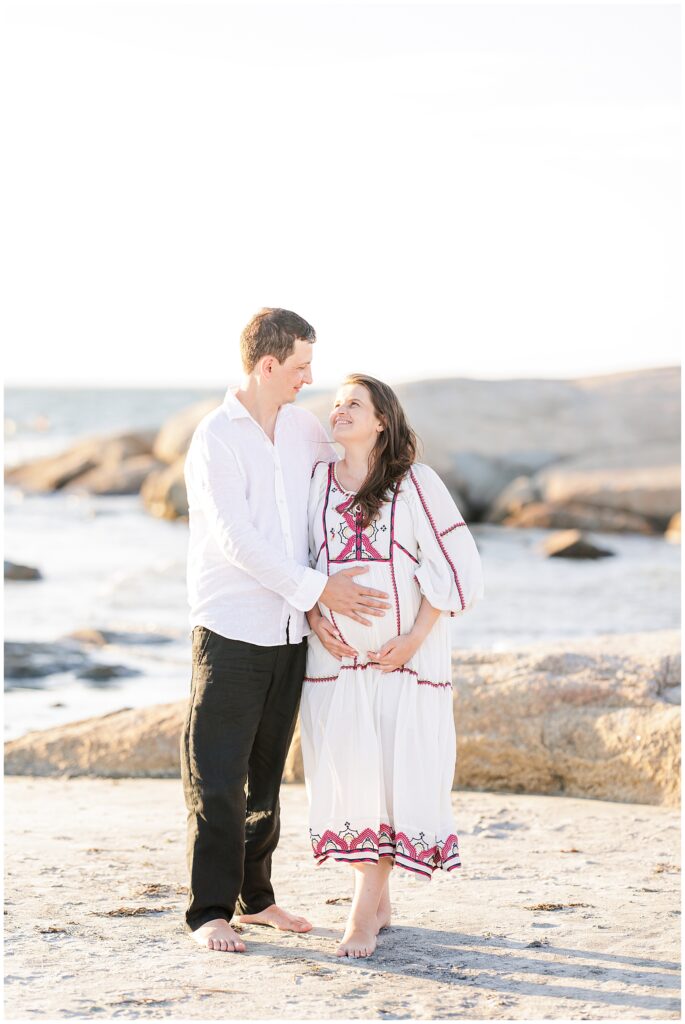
point(238, 727)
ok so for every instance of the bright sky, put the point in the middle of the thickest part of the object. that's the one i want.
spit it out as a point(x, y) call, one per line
point(469, 190)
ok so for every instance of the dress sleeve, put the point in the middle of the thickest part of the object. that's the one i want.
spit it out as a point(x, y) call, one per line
point(317, 486)
point(449, 573)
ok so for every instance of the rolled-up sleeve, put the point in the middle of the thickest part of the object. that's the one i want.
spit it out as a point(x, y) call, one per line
point(449, 573)
point(215, 482)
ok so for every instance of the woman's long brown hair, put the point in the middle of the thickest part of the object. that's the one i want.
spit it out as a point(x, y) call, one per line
point(394, 450)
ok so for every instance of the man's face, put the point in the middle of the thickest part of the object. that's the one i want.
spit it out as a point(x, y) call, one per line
point(289, 376)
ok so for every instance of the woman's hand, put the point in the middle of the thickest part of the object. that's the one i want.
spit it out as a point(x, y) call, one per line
point(396, 653)
point(330, 638)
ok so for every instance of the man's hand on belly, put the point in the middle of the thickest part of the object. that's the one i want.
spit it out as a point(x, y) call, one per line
point(341, 594)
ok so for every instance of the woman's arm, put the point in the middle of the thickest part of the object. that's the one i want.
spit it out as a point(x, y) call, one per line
point(425, 620)
point(397, 652)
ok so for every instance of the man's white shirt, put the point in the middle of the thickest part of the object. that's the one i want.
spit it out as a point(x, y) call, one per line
point(248, 556)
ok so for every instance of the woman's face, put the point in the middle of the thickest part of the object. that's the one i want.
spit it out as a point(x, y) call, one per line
point(353, 417)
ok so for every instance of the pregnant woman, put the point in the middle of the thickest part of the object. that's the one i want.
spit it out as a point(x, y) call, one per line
point(378, 736)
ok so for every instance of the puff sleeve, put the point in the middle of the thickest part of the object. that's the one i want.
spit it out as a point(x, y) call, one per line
point(449, 572)
point(317, 488)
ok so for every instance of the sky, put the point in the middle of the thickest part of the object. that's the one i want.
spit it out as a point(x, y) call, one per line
point(487, 191)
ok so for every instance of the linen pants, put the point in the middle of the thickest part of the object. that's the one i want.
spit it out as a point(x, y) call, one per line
point(238, 726)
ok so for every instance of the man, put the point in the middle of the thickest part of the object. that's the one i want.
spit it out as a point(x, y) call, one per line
point(249, 583)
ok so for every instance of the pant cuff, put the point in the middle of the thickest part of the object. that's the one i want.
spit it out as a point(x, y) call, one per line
point(198, 920)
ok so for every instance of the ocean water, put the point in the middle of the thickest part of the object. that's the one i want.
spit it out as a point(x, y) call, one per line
point(108, 564)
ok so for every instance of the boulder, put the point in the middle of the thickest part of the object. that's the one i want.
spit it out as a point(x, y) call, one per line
point(131, 743)
point(173, 439)
point(55, 472)
point(37, 660)
point(673, 529)
point(103, 674)
point(125, 477)
point(595, 717)
point(572, 544)
point(576, 516)
point(641, 483)
point(102, 637)
point(13, 571)
point(164, 492)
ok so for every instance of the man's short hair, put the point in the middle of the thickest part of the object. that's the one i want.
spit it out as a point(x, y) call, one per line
point(272, 332)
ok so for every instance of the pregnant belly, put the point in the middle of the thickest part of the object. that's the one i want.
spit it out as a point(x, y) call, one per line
point(382, 628)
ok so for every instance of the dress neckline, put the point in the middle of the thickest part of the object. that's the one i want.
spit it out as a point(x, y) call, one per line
point(340, 486)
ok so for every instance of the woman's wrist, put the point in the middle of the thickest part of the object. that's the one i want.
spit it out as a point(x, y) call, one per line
point(313, 615)
point(417, 634)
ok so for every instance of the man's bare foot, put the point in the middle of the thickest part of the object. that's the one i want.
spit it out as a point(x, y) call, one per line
point(218, 934)
point(276, 918)
point(359, 939)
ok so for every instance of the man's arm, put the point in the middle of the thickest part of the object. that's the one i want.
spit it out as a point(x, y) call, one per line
point(215, 480)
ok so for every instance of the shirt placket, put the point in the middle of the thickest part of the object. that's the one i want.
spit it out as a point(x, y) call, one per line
point(283, 515)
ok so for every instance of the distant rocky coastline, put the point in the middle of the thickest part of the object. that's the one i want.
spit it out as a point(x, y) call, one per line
point(593, 717)
point(596, 453)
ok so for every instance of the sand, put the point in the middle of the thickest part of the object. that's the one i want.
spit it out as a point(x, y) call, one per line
point(95, 878)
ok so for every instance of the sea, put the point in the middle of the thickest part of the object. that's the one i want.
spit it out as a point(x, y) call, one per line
point(108, 564)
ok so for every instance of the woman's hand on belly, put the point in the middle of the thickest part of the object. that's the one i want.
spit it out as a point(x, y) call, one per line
point(395, 653)
point(330, 638)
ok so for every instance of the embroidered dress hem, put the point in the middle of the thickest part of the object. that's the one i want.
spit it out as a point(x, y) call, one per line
point(368, 846)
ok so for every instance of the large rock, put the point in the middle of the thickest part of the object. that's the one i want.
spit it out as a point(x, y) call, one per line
point(594, 717)
point(14, 571)
point(55, 472)
point(132, 743)
point(574, 515)
point(125, 477)
point(164, 492)
point(37, 660)
point(640, 481)
point(173, 439)
point(572, 544)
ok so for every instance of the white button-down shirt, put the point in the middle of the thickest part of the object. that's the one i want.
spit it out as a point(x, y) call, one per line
point(248, 557)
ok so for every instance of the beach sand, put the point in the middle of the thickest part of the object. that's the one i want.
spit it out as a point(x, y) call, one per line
point(95, 887)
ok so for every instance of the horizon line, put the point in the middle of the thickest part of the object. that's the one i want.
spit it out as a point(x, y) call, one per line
point(232, 381)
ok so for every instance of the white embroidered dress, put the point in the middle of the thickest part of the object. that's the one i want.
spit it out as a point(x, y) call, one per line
point(379, 750)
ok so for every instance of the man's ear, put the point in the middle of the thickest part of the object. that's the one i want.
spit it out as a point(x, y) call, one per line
point(267, 366)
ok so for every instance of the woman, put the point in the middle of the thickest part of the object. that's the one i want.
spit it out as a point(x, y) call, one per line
point(378, 738)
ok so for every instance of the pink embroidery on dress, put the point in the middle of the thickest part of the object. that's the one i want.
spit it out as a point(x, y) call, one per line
point(370, 664)
point(359, 544)
point(438, 537)
point(398, 545)
point(452, 527)
point(397, 599)
point(367, 846)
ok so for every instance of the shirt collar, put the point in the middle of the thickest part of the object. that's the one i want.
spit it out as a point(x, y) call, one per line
point(234, 409)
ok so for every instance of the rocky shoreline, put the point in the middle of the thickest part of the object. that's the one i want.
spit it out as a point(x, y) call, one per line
point(596, 453)
point(593, 717)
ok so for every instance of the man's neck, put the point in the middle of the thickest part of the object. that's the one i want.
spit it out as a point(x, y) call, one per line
point(261, 407)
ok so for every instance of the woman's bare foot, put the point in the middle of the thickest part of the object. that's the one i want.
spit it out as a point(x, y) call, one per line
point(359, 939)
point(276, 918)
point(218, 934)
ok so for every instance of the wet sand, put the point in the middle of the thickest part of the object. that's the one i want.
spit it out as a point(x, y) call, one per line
point(564, 908)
